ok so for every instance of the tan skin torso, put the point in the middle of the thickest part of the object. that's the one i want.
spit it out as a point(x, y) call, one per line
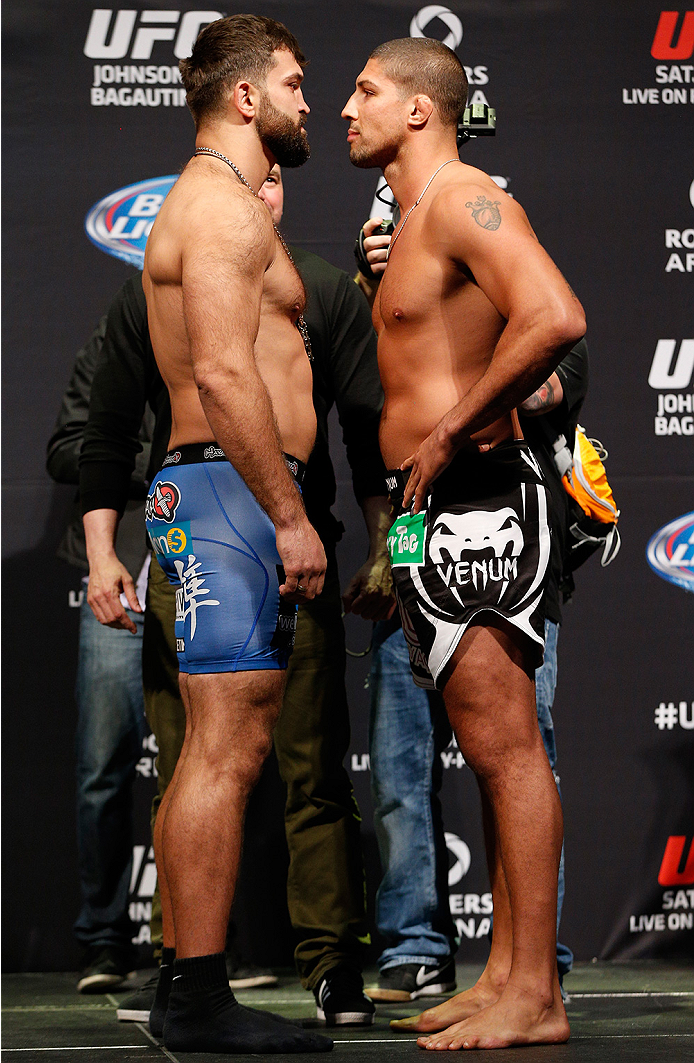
point(279, 348)
point(437, 332)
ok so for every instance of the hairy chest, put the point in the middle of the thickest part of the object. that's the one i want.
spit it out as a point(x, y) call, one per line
point(283, 290)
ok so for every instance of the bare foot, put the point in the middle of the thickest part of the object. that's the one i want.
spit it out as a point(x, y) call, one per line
point(459, 1007)
point(516, 1019)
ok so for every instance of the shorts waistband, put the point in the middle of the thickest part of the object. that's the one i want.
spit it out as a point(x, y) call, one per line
point(200, 453)
point(500, 455)
point(396, 482)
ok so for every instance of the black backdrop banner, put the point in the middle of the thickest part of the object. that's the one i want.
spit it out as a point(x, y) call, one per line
point(595, 102)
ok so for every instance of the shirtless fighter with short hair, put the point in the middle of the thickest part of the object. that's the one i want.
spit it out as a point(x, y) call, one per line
point(224, 303)
point(472, 316)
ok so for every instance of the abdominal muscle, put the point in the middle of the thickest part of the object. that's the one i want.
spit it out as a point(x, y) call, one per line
point(421, 386)
point(283, 367)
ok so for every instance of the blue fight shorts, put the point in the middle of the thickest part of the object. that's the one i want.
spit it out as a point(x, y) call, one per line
point(217, 546)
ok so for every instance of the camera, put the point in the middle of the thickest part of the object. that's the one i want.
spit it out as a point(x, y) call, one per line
point(477, 121)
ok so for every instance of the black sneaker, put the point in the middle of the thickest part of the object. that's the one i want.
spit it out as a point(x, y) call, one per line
point(340, 999)
point(243, 974)
point(106, 968)
point(408, 981)
point(137, 1006)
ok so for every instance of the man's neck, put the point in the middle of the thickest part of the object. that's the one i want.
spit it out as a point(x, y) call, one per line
point(242, 146)
point(409, 172)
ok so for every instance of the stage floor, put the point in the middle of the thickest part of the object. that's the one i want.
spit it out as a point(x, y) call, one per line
point(632, 1013)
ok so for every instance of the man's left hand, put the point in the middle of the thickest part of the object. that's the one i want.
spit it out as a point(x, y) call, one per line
point(429, 460)
point(370, 591)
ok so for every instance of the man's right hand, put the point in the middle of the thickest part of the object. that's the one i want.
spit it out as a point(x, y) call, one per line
point(376, 247)
point(303, 559)
point(108, 579)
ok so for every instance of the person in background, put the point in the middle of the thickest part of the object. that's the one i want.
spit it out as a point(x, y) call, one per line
point(111, 718)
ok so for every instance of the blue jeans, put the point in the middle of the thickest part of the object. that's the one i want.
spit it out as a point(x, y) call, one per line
point(110, 729)
point(545, 687)
point(408, 728)
point(407, 733)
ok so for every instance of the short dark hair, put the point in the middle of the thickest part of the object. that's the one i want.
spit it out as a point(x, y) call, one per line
point(227, 51)
point(420, 64)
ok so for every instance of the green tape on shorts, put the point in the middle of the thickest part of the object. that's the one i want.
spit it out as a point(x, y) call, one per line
point(406, 540)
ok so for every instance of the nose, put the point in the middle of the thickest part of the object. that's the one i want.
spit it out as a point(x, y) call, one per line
point(303, 106)
point(349, 111)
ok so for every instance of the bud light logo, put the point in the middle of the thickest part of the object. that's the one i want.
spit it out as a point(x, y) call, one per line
point(670, 552)
point(120, 223)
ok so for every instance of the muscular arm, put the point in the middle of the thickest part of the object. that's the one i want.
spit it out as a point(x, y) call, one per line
point(222, 280)
point(543, 318)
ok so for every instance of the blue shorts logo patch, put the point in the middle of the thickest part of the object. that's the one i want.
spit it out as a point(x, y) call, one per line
point(162, 502)
point(168, 541)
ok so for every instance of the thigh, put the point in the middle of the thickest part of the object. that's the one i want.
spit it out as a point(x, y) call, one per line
point(220, 552)
point(489, 693)
point(230, 712)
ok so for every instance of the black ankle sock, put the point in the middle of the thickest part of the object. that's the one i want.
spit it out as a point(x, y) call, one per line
point(204, 1016)
point(161, 997)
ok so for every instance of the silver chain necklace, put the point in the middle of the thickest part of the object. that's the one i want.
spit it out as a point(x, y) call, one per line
point(300, 324)
point(421, 197)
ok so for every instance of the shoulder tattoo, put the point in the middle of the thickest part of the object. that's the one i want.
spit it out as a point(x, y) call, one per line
point(486, 213)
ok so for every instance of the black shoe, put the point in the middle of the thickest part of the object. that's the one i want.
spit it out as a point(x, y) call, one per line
point(243, 974)
point(408, 981)
point(340, 999)
point(137, 1006)
point(106, 968)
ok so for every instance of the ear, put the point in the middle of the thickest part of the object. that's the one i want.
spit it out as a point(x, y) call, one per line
point(420, 111)
point(245, 98)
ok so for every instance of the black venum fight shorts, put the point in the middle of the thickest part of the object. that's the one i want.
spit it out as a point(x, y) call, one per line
point(481, 545)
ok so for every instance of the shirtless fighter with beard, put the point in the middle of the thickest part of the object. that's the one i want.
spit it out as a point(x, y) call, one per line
point(224, 305)
point(472, 316)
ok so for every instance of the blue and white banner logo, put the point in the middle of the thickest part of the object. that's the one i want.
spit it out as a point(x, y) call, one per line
point(670, 552)
point(120, 223)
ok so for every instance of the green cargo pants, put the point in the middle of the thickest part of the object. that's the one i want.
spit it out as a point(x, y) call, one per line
point(326, 885)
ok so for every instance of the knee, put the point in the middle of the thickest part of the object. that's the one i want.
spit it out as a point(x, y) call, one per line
point(242, 760)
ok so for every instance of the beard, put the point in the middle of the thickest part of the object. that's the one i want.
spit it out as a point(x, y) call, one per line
point(366, 158)
point(287, 142)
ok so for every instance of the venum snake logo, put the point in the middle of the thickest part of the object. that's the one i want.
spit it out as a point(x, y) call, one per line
point(477, 548)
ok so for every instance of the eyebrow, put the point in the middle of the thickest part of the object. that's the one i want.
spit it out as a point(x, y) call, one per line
point(365, 82)
point(296, 75)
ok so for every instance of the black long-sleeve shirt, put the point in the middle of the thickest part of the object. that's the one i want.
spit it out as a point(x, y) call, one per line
point(62, 463)
point(345, 374)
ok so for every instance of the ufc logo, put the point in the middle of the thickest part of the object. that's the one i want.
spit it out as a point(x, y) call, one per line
point(669, 370)
point(669, 45)
point(670, 874)
point(110, 38)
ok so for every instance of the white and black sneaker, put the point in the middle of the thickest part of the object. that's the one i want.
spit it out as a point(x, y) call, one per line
point(340, 999)
point(408, 981)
